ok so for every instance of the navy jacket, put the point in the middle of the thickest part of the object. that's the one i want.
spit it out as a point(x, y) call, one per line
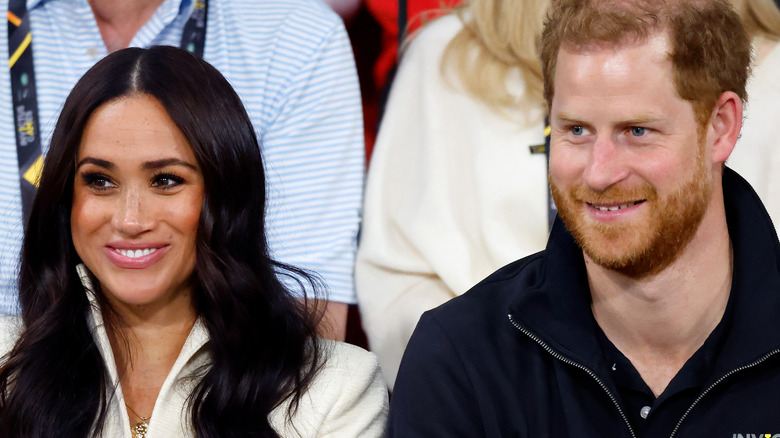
point(516, 356)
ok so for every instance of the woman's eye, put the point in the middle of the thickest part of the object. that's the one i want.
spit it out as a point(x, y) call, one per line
point(166, 181)
point(638, 131)
point(97, 181)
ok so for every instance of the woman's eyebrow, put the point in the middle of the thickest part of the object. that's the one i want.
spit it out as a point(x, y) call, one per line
point(156, 164)
point(96, 161)
point(148, 165)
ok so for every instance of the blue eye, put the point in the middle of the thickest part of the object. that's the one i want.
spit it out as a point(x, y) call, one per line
point(577, 130)
point(637, 131)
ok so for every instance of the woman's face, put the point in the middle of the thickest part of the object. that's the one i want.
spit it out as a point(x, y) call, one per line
point(137, 197)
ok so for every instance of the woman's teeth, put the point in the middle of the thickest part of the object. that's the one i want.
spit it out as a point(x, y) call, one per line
point(134, 254)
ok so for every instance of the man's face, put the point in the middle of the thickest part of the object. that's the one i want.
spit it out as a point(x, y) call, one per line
point(629, 172)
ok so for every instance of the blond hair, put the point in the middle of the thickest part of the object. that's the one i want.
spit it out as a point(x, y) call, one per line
point(497, 37)
point(760, 17)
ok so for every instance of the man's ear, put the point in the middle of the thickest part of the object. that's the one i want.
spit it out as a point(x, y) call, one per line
point(724, 126)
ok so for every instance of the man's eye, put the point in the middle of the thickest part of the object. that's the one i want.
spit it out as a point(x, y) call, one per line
point(577, 130)
point(638, 131)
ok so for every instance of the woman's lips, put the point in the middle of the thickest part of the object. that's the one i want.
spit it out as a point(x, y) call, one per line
point(136, 255)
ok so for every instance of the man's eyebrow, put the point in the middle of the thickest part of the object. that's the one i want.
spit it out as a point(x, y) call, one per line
point(96, 161)
point(157, 164)
point(639, 120)
point(566, 117)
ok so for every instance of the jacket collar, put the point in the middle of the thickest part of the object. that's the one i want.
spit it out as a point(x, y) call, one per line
point(195, 340)
point(755, 288)
point(556, 305)
point(170, 401)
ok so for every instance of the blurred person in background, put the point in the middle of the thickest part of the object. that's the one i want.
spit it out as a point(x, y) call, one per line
point(457, 184)
point(289, 60)
point(390, 15)
point(347, 9)
point(757, 155)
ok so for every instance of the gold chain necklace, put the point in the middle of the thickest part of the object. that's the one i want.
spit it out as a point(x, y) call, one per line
point(140, 429)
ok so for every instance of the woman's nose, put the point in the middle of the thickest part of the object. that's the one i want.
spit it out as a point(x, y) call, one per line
point(132, 217)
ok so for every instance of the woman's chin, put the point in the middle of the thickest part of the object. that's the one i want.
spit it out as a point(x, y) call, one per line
point(148, 298)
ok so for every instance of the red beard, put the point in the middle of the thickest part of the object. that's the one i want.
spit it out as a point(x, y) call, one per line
point(638, 248)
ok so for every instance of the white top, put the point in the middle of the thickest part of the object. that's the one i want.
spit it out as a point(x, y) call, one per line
point(757, 154)
point(347, 398)
point(453, 194)
point(289, 60)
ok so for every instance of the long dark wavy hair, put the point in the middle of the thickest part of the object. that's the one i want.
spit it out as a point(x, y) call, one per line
point(262, 339)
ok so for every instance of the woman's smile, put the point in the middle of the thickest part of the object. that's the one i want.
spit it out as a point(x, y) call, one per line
point(135, 255)
point(137, 197)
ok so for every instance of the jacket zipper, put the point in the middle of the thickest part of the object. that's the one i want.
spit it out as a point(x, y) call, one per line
point(715, 383)
point(612, 397)
point(587, 371)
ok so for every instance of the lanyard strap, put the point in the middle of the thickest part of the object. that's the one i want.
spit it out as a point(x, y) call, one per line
point(552, 210)
point(402, 18)
point(24, 96)
point(193, 37)
point(25, 102)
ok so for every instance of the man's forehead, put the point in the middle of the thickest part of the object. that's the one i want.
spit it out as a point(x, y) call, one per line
point(657, 42)
point(618, 63)
point(625, 83)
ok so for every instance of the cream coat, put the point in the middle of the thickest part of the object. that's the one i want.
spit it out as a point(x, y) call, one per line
point(453, 194)
point(348, 397)
point(757, 154)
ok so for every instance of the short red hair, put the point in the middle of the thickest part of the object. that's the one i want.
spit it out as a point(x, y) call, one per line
point(711, 50)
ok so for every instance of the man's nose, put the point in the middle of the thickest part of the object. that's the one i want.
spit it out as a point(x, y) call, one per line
point(606, 166)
